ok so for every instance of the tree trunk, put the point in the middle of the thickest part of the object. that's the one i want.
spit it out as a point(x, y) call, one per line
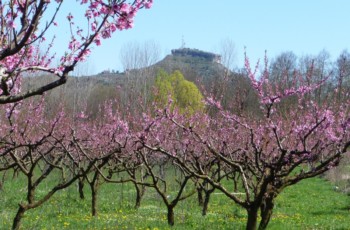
point(171, 220)
point(94, 193)
point(200, 196)
point(3, 180)
point(206, 203)
point(81, 188)
point(266, 212)
point(252, 218)
point(162, 171)
point(139, 195)
point(235, 186)
point(17, 220)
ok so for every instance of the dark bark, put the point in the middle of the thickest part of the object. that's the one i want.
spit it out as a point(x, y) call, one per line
point(140, 190)
point(200, 196)
point(33, 92)
point(94, 185)
point(81, 188)
point(17, 220)
point(206, 189)
point(94, 193)
point(171, 220)
point(206, 201)
point(266, 212)
point(3, 180)
point(252, 217)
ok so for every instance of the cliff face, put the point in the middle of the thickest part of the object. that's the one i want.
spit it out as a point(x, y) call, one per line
point(197, 53)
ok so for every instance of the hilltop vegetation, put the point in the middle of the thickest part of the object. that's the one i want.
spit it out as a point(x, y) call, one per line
point(195, 53)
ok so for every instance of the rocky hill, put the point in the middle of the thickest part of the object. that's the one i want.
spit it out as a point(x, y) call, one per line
point(201, 67)
point(202, 64)
point(193, 63)
point(197, 54)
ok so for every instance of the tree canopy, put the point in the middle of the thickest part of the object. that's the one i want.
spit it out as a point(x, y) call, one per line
point(184, 94)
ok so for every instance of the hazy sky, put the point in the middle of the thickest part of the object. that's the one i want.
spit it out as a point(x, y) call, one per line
point(302, 26)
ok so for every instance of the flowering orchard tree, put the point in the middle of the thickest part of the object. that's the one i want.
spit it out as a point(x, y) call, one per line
point(171, 189)
point(38, 147)
point(165, 135)
point(101, 142)
point(28, 146)
point(262, 153)
point(25, 24)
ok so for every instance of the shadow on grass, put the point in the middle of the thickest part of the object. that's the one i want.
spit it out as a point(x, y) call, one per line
point(331, 212)
point(347, 208)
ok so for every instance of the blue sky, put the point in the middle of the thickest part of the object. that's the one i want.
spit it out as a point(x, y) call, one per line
point(302, 26)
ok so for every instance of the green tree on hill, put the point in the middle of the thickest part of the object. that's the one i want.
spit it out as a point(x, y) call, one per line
point(185, 94)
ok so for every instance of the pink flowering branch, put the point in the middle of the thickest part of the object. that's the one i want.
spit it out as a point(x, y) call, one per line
point(23, 31)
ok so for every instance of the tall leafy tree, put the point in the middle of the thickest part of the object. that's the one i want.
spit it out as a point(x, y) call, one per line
point(185, 94)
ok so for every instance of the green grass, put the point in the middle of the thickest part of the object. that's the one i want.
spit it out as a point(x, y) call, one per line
point(311, 204)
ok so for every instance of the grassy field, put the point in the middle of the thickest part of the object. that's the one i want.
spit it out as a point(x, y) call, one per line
point(311, 204)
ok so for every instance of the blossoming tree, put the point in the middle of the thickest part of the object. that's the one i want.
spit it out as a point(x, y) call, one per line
point(261, 153)
point(39, 148)
point(25, 24)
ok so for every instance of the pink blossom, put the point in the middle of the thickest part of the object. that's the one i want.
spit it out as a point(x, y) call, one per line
point(119, 16)
point(125, 8)
point(97, 40)
point(70, 17)
point(10, 24)
point(104, 10)
point(93, 26)
point(149, 4)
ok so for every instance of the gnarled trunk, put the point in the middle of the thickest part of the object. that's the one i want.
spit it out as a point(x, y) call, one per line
point(139, 194)
point(17, 220)
point(206, 201)
point(252, 217)
point(266, 212)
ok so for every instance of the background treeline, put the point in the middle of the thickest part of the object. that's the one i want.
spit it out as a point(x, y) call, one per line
point(211, 78)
